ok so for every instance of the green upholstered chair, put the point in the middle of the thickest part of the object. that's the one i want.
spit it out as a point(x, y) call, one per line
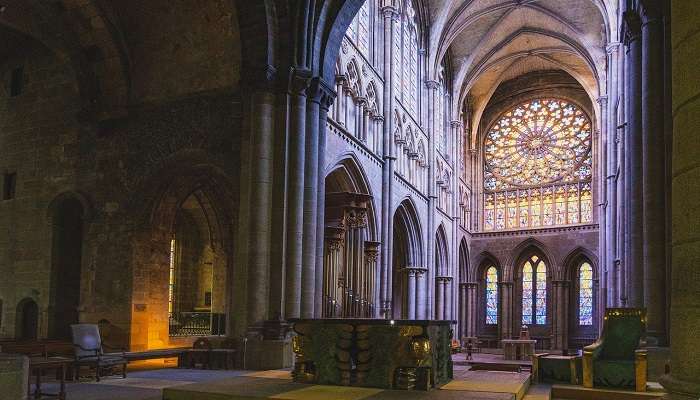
point(619, 357)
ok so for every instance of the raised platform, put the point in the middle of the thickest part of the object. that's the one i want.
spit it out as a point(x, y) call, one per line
point(276, 384)
point(575, 392)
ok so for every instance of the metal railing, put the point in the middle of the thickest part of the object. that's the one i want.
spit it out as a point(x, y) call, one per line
point(197, 324)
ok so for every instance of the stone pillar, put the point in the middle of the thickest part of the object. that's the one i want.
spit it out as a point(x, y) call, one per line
point(448, 298)
point(463, 312)
point(432, 87)
point(683, 383)
point(601, 144)
point(411, 296)
point(611, 226)
point(261, 147)
point(421, 283)
point(371, 256)
point(310, 217)
point(326, 96)
point(331, 267)
point(298, 84)
point(439, 297)
point(390, 15)
point(472, 307)
point(654, 173)
point(506, 322)
point(635, 262)
point(560, 313)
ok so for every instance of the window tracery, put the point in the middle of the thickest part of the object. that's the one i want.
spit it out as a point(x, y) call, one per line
point(537, 166)
point(534, 294)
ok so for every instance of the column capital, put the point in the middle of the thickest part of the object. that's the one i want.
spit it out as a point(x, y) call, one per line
point(631, 27)
point(432, 84)
point(612, 47)
point(321, 92)
point(299, 81)
point(650, 11)
point(602, 100)
point(456, 123)
point(389, 11)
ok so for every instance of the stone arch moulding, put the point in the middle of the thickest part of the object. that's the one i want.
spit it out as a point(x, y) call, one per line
point(356, 180)
point(88, 209)
point(160, 197)
point(521, 251)
point(406, 210)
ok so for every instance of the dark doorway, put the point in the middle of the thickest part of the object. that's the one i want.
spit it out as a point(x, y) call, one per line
point(66, 258)
point(27, 320)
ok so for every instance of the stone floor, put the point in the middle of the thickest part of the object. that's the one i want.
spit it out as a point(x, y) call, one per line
point(149, 385)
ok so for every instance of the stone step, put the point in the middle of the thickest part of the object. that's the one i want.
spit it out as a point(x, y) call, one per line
point(574, 392)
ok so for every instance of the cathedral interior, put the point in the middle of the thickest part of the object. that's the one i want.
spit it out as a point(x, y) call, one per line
point(491, 166)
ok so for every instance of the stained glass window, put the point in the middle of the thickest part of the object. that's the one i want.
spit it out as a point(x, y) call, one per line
point(171, 279)
point(540, 151)
point(585, 297)
point(534, 298)
point(491, 296)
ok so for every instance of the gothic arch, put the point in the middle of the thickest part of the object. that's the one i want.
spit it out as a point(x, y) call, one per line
point(407, 260)
point(582, 334)
point(347, 175)
point(441, 252)
point(463, 261)
point(529, 245)
point(184, 182)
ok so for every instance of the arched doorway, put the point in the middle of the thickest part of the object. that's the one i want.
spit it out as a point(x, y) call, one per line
point(27, 326)
point(408, 286)
point(67, 214)
point(350, 268)
point(181, 262)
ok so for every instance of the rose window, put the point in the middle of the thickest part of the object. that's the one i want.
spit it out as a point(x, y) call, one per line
point(537, 166)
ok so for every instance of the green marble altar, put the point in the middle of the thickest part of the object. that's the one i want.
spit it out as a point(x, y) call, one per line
point(396, 354)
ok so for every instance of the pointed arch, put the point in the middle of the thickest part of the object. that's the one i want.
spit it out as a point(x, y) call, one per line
point(441, 252)
point(406, 217)
point(463, 261)
point(531, 245)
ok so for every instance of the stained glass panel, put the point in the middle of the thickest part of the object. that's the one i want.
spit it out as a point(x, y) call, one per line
point(541, 294)
point(540, 145)
point(585, 298)
point(527, 293)
point(491, 296)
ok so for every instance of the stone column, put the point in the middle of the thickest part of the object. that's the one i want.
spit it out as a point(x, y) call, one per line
point(311, 181)
point(635, 262)
point(448, 297)
point(560, 312)
point(654, 173)
point(439, 297)
point(326, 98)
point(472, 307)
point(611, 226)
point(506, 291)
point(390, 15)
point(421, 283)
point(371, 256)
point(298, 84)
point(432, 87)
point(260, 174)
point(331, 267)
point(463, 312)
point(602, 197)
point(411, 296)
point(683, 383)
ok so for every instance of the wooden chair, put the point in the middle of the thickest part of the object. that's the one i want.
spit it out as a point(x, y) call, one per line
point(89, 351)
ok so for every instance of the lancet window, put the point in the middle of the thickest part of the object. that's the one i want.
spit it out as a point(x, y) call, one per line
point(585, 297)
point(534, 285)
point(491, 296)
point(537, 167)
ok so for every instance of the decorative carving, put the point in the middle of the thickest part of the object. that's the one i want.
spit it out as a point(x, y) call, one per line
point(299, 81)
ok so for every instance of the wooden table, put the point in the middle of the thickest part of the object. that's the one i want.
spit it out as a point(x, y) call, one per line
point(518, 349)
point(37, 365)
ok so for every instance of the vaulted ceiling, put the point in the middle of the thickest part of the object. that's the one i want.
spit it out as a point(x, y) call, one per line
point(492, 41)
